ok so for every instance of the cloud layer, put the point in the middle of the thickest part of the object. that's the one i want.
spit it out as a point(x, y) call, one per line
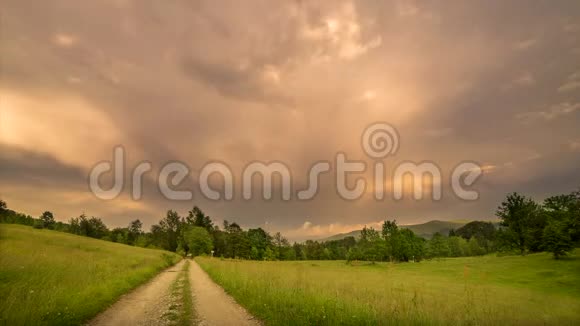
point(296, 82)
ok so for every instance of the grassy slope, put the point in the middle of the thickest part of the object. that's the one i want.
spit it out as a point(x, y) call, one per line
point(49, 277)
point(478, 290)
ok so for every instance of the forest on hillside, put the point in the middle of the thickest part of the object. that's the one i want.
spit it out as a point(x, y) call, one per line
point(526, 226)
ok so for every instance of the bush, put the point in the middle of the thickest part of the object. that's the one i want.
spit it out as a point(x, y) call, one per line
point(38, 224)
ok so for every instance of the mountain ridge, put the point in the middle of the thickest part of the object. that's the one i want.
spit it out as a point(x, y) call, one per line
point(425, 230)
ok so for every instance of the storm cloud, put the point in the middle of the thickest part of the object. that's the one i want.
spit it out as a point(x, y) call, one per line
point(492, 81)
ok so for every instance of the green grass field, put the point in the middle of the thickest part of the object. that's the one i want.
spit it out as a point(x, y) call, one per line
point(54, 278)
point(516, 290)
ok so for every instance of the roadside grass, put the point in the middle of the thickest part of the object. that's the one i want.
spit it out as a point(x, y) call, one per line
point(181, 311)
point(55, 278)
point(489, 290)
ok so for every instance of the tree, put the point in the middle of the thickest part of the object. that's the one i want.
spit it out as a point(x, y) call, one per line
point(411, 247)
point(455, 246)
point(280, 244)
point(134, 231)
point(288, 253)
point(260, 240)
point(390, 233)
point(556, 239)
point(170, 227)
point(198, 240)
point(371, 244)
point(237, 244)
point(438, 246)
point(478, 229)
point(326, 254)
point(47, 220)
point(120, 235)
point(313, 250)
point(198, 218)
point(3, 207)
point(474, 247)
point(95, 228)
point(565, 209)
point(254, 253)
point(517, 212)
point(269, 254)
point(135, 227)
point(299, 251)
point(89, 227)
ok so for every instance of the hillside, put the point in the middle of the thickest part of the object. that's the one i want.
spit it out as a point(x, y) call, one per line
point(54, 278)
point(425, 230)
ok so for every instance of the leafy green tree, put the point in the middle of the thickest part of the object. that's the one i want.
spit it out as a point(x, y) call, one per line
point(180, 249)
point(517, 213)
point(438, 246)
point(47, 220)
point(259, 239)
point(237, 242)
point(556, 239)
point(269, 254)
point(96, 228)
point(299, 251)
point(38, 224)
point(134, 231)
point(354, 253)
point(198, 218)
point(410, 247)
point(198, 240)
point(371, 244)
point(280, 243)
point(390, 233)
point(454, 246)
point(326, 254)
point(3, 207)
point(474, 248)
point(158, 237)
point(170, 227)
point(90, 227)
point(288, 253)
point(565, 209)
point(313, 250)
point(219, 243)
point(478, 229)
point(464, 247)
point(254, 253)
point(120, 235)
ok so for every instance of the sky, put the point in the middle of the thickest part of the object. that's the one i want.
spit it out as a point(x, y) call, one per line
point(492, 82)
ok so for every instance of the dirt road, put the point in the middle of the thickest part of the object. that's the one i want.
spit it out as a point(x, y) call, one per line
point(143, 306)
point(212, 304)
point(147, 304)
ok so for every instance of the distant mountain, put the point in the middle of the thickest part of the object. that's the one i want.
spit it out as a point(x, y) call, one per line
point(425, 230)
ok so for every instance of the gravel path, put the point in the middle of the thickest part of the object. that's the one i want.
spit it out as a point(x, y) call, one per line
point(213, 305)
point(143, 306)
point(148, 304)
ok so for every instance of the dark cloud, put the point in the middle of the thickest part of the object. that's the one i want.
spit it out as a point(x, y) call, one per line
point(296, 82)
point(23, 167)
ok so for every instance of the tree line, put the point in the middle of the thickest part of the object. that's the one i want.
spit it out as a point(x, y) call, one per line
point(525, 226)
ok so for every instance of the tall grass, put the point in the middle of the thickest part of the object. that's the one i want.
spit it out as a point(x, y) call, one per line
point(55, 278)
point(530, 290)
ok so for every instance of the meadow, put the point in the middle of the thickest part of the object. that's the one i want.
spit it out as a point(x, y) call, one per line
point(54, 278)
point(512, 290)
